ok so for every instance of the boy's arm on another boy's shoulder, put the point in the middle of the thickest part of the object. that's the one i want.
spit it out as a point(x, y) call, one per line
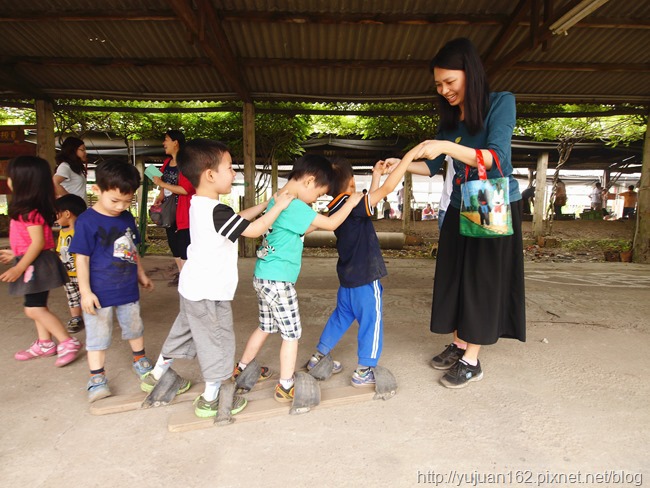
point(89, 301)
point(261, 225)
point(331, 222)
point(393, 179)
point(252, 212)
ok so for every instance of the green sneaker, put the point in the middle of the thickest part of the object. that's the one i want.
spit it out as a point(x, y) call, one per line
point(205, 409)
point(148, 382)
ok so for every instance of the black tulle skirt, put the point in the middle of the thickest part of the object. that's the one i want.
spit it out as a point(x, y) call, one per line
point(45, 273)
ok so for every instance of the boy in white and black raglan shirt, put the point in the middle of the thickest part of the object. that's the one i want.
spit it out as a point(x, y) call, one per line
point(359, 268)
point(209, 278)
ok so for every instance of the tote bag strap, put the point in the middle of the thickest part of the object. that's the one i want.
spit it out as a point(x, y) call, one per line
point(480, 164)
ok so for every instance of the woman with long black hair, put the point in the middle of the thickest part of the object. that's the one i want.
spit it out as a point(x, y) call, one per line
point(71, 170)
point(479, 282)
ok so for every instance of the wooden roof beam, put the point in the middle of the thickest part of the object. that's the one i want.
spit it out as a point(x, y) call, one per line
point(12, 80)
point(630, 67)
point(92, 16)
point(363, 18)
point(525, 46)
point(201, 24)
point(506, 32)
point(412, 64)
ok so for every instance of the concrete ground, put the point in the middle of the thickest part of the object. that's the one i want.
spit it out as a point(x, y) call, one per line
point(569, 406)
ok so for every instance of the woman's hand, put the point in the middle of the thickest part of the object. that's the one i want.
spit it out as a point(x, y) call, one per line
point(157, 180)
point(427, 150)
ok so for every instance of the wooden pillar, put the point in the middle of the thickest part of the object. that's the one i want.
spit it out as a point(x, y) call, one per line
point(641, 248)
point(249, 168)
point(274, 175)
point(406, 213)
point(540, 196)
point(45, 145)
point(606, 183)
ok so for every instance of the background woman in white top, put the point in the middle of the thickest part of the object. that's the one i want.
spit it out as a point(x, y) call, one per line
point(71, 171)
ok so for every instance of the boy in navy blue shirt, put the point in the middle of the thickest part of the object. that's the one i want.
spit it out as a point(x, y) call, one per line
point(359, 268)
point(109, 270)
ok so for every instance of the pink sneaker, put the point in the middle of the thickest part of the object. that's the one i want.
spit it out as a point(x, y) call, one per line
point(67, 351)
point(36, 350)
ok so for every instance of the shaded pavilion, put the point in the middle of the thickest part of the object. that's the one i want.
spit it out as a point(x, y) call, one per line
point(551, 51)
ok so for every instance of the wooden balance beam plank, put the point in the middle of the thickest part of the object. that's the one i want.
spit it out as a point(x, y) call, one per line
point(186, 421)
point(133, 401)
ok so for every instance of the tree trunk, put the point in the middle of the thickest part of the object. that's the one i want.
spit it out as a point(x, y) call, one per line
point(540, 195)
point(641, 248)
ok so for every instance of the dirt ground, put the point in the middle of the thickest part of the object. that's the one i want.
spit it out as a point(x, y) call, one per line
point(572, 401)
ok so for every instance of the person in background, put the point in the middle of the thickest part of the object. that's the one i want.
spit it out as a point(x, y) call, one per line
point(427, 212)
point(559, 200)
point(528, 199)
point(36, 269)
point(596, 196)
point(68, 208)
point(386, 208)
point(175, 185)
point(71, 170)
point(630, 198)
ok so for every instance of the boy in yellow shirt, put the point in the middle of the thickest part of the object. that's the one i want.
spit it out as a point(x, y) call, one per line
point(68, 208)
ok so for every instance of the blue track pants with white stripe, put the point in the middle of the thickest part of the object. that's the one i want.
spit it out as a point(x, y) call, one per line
point(363, 304)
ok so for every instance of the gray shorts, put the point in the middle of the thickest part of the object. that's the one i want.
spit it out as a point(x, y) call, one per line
point(278, 308)
point(99, 327)
point(204, 329)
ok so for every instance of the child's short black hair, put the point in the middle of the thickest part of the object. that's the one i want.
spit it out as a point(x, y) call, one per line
point(313, 165)
point(115, 174)
point(72, 203)
point(198, 155)
point(343, 172)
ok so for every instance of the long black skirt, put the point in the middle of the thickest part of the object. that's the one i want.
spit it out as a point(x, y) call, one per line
point(478, 288)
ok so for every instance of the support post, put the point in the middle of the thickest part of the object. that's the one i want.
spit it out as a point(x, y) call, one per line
point(641, 245)
point(45, 146)
point(406, 209)
point(274, 175)
point(540, 196)
point(249, 168)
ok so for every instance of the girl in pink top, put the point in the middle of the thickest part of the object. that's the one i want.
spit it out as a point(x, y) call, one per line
point(36, 267)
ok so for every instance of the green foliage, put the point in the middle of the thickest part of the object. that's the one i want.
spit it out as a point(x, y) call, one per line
point(614, 130)
point(279, 135)
point(600, 244)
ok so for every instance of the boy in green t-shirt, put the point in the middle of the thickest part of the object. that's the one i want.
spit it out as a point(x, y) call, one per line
point(68, 208)
point(278, 266)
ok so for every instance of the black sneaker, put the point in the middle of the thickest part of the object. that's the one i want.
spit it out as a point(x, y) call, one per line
point(75, 324)
point(447, 358)
point(461, 374)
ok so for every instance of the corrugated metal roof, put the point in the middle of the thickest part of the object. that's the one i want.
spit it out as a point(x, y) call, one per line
point(359, 50)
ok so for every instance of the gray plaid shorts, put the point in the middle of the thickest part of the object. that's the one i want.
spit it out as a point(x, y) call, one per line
point(278, 307)
point(72, 292)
